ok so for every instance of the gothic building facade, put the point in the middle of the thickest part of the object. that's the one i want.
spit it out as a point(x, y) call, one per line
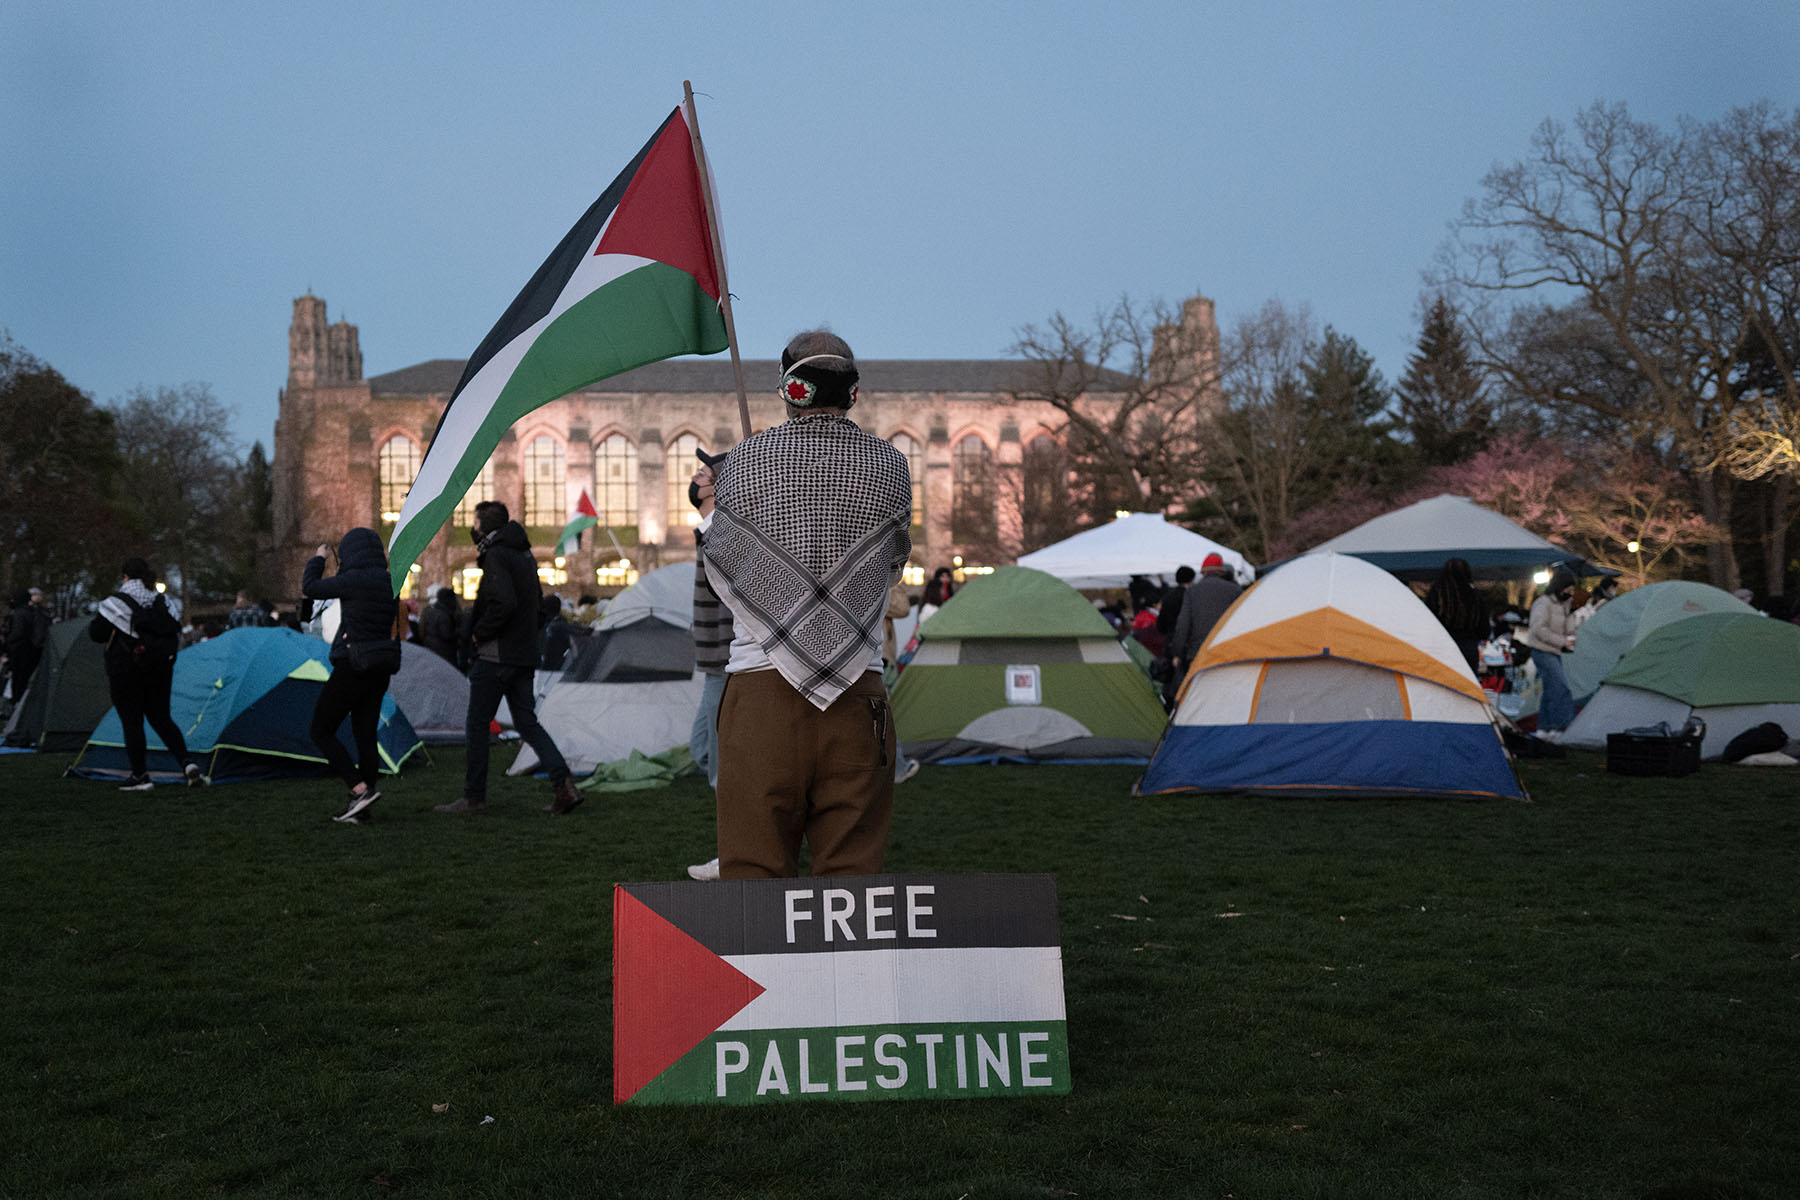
point(989, 479)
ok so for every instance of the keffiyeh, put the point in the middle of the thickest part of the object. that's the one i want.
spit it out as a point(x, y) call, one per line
point(809, 531)
point(120, 613)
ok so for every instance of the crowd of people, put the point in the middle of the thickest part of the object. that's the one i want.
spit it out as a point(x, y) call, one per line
point(802, 537)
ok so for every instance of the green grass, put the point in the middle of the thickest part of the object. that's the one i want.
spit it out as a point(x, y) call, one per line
point(1593, 995)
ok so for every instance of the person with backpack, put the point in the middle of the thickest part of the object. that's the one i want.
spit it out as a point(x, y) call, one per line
point(364, 656)
point(141, 637)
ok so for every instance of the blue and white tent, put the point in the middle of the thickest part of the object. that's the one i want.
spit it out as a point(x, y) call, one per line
point(244, 702)
point(1330, 678)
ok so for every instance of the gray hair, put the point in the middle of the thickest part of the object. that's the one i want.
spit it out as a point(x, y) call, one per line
point(814, 341)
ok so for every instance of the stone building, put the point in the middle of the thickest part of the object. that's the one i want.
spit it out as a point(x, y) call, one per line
point(989, 479)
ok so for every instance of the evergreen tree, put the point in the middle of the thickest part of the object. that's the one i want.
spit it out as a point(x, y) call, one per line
point(1350, 416)
point(1442, 404)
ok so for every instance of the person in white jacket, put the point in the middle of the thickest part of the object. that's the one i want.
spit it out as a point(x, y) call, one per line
point(1551, 633)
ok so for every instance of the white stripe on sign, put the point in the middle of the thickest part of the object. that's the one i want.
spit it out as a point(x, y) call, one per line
point(911, 987)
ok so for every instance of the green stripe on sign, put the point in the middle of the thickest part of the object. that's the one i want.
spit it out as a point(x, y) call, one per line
point(869, 1062)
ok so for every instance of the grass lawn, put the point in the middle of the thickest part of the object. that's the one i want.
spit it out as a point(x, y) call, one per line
point(1593, 995)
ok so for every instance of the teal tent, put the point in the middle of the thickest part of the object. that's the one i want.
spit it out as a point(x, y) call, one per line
point(244, 702)
point(67, 696)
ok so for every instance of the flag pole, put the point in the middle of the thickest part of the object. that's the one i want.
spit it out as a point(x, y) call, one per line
point(718, 248)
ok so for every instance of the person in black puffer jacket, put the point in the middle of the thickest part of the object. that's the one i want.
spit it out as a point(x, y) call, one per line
point(504, 629)
point(366, 614)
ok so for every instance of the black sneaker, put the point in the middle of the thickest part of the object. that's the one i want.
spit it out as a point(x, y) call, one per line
point(136, 783)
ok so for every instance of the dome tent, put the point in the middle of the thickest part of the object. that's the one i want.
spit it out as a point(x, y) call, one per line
point(1623, 622)
point(631, 685)
point(1732, 670)
point(68, 695)
point(1331, 678)
point(1018, 667)
point(244, 702)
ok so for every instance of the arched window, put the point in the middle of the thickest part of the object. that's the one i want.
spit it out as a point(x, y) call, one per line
point(972, 520)
point(482, 489)
point(1046, 514)
point(546, 482)
point(615, 482)
point(678, 467)
point(397, 466)
point(908, 445)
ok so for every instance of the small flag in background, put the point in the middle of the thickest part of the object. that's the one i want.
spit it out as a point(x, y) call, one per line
point(635, 281)
point(585, 518)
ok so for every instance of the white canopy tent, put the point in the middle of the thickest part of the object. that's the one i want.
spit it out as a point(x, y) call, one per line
point(1136, 544)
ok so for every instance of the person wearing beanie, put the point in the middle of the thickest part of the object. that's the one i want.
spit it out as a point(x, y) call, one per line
point(1550, 634)
point(141, 637)
point(1206, 600)
point(809, 531)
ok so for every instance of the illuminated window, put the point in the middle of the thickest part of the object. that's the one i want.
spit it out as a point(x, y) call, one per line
point(615, 482)
point(972, 493)
point(546, 482)
point(479, 491)
point(915, 466)
point(678, 465)
point(398, 466)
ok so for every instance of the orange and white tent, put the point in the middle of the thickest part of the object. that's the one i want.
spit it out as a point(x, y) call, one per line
point(1330, 677)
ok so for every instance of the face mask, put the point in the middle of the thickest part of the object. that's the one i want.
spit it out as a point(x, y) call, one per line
point(475, 535)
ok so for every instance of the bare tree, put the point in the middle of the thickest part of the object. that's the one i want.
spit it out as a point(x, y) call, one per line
point(1132, 390)
point(1631, 230)
point(182, 483)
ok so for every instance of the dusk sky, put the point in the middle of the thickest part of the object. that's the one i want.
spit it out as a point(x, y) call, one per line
point(925, 178)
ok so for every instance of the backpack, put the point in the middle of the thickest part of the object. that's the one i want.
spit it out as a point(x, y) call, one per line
point(156, 634)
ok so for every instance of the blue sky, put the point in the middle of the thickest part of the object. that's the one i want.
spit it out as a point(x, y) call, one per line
point(926, 178)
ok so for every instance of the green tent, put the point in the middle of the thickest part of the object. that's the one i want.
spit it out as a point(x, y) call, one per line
point(1622, 623)
point(1734, 671)
point(1017, 667)
point(67, 696)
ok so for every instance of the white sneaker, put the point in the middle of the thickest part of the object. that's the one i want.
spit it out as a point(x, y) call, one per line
point(358, 802)
point(705, 872)
point(194, 777)
point(1550, 735)
point(912, 768)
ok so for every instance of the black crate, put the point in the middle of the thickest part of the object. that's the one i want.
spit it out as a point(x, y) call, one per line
point(1641, 754)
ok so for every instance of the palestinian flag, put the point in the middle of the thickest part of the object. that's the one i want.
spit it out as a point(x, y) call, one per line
point(634, 282)
point(870, 987)
point(585, 518)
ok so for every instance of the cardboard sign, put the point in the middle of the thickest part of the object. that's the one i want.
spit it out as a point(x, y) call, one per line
point(866, 987)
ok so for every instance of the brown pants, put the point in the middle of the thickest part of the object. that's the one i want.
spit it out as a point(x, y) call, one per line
point(789, 772)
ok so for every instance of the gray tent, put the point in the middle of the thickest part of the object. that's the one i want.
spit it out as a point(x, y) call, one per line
point(1414, 541)
point(68, 694)
point(632, 684)
point(432, 693)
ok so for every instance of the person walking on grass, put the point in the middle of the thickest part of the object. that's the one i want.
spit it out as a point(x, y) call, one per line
point(364, 655)
point(141, 638)
point(504, 629)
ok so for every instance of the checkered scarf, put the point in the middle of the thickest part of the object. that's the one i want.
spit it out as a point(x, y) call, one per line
point(810, 529)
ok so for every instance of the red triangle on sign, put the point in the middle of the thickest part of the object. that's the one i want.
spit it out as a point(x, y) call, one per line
point(669, 994)
point(662, 216)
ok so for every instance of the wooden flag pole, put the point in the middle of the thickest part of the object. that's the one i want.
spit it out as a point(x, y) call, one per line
point(718, 246)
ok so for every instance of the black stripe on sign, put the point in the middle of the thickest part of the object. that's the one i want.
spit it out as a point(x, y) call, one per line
point(859, 912)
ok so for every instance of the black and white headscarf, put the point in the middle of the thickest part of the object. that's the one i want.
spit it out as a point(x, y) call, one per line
point(810, 529)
